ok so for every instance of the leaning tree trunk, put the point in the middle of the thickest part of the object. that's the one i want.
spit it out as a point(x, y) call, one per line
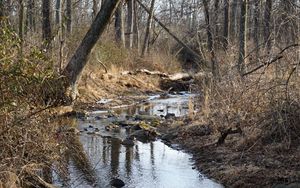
point(242, 37)
point(75, 66)
point(148, 29)
point(119, 26)
point(95, 8)
point(46, 26)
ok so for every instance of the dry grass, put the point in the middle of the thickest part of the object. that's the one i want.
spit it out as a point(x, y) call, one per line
point(27, 139)
point(265, 104)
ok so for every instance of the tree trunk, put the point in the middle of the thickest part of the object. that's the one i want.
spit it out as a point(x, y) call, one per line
point(267, 25)
point(242, 37)
point(194, 17)
point(46, 25)
point(199, 60)
point(95, 8)
point(225, 38)
point(80, 57)
point(136, 28)
point(233, 18)
point(21, 24)
point(2, 13)
point(130, 23)
point(170, 12)
point(58, 12)
point(256, 27)
point(216, 18)
point(30, 15)
point(148, 29)
point(182, 8)
point(119, 26)
point(69, 16)
point(100, 4)
point(210, 41)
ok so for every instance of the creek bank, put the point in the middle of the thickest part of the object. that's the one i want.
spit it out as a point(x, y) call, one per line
point(233, 163)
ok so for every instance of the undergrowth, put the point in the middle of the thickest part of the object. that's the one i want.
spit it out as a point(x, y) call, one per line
point(264, 104)
point(27, 142)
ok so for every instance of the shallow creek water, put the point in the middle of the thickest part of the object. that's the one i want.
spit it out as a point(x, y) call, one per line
point(145, 165)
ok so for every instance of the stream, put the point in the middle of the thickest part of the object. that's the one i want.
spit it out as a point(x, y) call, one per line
point(144, 165)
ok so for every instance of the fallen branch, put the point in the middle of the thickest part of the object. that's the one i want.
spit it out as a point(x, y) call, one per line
point(145, 71)
point(161, 74)
point(227, 132)
point(265, 64)
point(103, 65)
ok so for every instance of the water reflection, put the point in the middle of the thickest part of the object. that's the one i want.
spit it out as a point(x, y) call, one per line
point(145, 165)
point(94, 160)
point(177, 105)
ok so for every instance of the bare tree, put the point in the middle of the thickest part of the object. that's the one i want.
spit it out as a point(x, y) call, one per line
point(136, 27)
point(69, 15)
point(225, 38)
point(256, 27)
point(267, 25)
point(233, 17)
point(79, 59)
point(30, 21)
point(130, 23)
point(21, 23)
point(210, 40)
point(58, 12)
point(3, 13)
point(119, 25)
point(46, 23)
point(242, 36)
point(216, 18)
point(148, 29)
point(95, 8)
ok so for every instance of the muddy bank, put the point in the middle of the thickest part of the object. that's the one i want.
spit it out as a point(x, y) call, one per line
point(234, 163)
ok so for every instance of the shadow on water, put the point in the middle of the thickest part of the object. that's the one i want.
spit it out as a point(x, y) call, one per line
point(93, 160)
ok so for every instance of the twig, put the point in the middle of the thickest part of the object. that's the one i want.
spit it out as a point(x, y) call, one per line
point(265, 64)
point(279, 56)
point(103, 65)
point(288, 80)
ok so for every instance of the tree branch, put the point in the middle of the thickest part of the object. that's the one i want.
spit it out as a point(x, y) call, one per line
point(279, 56)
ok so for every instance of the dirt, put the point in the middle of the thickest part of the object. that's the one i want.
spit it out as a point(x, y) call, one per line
point(236, 163)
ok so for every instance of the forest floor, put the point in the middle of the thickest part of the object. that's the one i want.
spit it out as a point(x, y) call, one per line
point(234, 163)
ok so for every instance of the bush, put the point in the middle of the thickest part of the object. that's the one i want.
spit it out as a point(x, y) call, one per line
point(267, 100)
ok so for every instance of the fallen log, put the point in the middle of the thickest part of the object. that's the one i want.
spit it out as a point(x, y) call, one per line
point(145, 71)
point(180, 76)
